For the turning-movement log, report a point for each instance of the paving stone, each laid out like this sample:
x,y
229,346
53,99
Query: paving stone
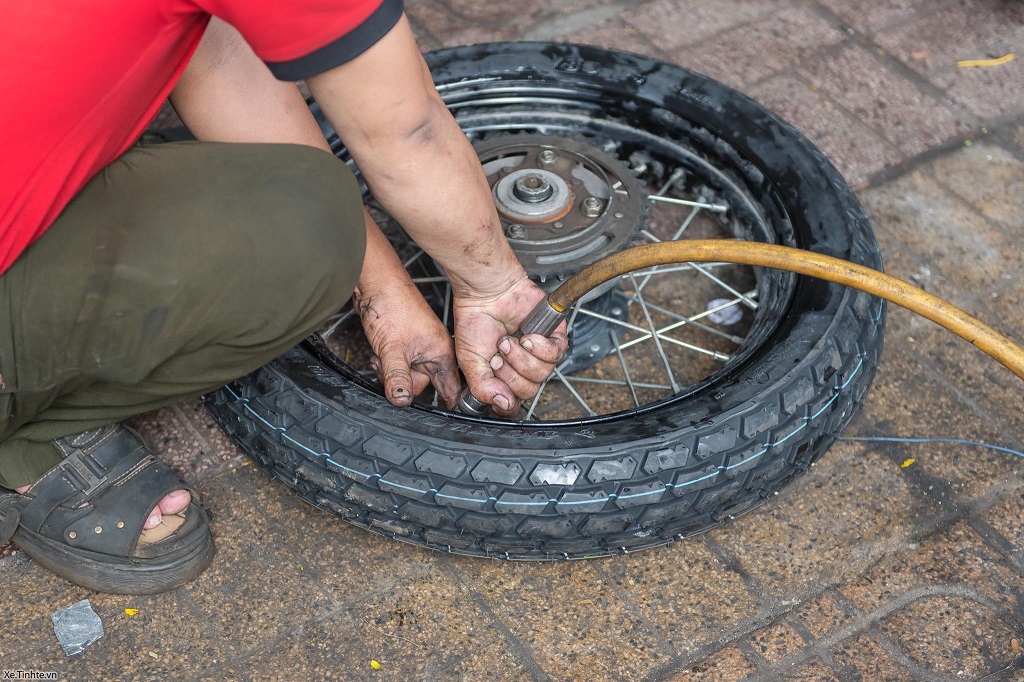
x,y
749,53
854,148
989,178
952,636
966,29
162,639
448,28
955,562
728,664
863,659
821,616
1008,518
615,34
673,24
572,622
947,247
851,509
813,671
256,589
171,441
672,587
883,100
777,642
869,16
422,628
30,595
345,561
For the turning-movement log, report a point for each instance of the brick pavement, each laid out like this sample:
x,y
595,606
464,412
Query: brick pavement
x,y
861,570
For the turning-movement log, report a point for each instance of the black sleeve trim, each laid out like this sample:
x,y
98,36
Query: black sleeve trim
x,y
344,49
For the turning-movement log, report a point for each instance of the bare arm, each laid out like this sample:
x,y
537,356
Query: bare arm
x,y
228,95
422,168
424,171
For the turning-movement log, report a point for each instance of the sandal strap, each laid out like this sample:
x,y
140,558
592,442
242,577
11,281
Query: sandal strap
x,y
99,497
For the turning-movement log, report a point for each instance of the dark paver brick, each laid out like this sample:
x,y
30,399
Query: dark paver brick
x,y
749,53
855,149
559,611
879,97
671,590
849,510
673,24
777,642
869,16
728,664
963,30
863,659
951,636
820,616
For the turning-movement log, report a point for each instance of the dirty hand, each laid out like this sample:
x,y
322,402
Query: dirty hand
x,y
500,369
412,348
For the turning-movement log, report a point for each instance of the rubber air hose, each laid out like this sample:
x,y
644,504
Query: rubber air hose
x,y
549,313
801,262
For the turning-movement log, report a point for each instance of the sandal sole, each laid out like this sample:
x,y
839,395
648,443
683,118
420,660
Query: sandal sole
x,y
117,576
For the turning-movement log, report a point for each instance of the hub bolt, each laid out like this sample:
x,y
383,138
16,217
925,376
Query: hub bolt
x,y
548,157
516,231
592,207
533,188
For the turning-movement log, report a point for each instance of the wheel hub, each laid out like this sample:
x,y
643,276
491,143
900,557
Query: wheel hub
x,y
564,205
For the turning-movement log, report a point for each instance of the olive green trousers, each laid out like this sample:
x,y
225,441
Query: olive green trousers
x,y
178,268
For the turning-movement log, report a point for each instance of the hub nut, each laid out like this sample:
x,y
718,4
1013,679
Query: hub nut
x,y
592,207
533,188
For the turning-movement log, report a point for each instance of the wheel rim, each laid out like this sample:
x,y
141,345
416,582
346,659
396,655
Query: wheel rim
x,y
696,186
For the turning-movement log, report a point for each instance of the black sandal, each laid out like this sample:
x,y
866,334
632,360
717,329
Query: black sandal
x,y
84,518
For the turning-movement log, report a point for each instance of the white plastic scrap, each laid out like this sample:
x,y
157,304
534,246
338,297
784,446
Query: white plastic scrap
x,y
77,627
725,316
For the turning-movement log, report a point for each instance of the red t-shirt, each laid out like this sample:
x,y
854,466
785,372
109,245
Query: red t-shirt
x,y
79,81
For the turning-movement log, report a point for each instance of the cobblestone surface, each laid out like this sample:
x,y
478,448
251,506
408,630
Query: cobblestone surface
x,y
865,569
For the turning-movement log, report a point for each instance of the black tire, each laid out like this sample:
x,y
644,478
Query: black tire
x,y
619,482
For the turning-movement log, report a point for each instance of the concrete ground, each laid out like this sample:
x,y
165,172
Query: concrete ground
x,y
863,570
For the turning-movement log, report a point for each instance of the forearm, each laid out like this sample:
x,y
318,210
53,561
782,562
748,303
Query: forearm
x,y
418,161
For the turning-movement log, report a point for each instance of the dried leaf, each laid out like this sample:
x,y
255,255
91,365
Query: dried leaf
x,y
907,462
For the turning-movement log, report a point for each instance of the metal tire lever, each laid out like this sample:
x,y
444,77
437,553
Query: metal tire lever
x,y
543,320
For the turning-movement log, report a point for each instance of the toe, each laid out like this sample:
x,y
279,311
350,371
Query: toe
x,y
174,502
155,517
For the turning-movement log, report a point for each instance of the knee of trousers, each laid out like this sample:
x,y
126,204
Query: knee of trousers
x,y
304,243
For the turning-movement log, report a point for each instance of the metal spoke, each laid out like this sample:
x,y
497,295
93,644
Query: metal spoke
x,y
429,280
693,321
334,327
675,237
615,382
412,259
750,303
647,335
657,339
673,179
536,398
575,393
714,208
625,371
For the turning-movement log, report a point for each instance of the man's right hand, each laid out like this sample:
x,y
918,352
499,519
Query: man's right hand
x,y
500,369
